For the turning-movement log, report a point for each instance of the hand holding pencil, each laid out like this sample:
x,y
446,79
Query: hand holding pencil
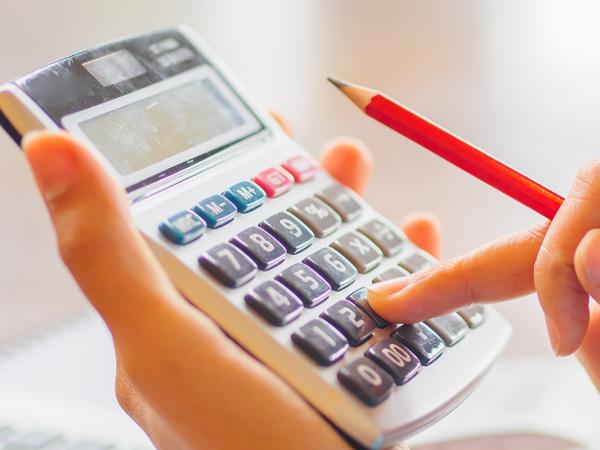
x,y
559,259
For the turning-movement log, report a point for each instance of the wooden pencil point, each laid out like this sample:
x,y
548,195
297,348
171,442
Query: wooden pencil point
x,y
337,82
359,95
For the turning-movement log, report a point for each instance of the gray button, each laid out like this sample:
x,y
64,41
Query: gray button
x,y
416,262
321,342
319,217
336,269
289,231
473,315
389,239
360,299
351,321
424,343
343,200
359,250
366,380
390,274
450,327
274,302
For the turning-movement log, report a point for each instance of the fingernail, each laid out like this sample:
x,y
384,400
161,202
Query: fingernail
x,y
387,288
554,336
52,166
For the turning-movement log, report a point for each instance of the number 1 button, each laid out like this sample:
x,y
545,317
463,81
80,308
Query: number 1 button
x,y
321,342
229,265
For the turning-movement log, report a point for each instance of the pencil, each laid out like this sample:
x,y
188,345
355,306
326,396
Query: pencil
x,y
452,148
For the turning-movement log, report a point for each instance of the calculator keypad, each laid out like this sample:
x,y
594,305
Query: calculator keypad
x,y
361,252
263,248
306,284
289,231
319,217
450,327
389,240
351,321
336,269
343,201
427,345
396,359
216,210
275,303
229,265
321,342
366,380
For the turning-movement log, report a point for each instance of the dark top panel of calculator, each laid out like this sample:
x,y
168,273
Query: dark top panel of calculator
x,y
66,86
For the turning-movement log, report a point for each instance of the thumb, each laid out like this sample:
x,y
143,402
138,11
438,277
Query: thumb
x,y
102,249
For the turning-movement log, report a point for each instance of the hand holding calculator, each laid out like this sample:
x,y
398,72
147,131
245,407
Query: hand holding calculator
x,y
254,234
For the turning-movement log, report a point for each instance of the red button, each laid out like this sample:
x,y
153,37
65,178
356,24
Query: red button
x,y
274,181
301,168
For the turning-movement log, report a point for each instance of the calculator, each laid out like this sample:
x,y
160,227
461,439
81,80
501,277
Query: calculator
x,y
255,234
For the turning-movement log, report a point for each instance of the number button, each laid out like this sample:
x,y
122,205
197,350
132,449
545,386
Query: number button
x,y
290,231
343,201
416,262
359,298
246,196
216,210
390,274
421,340
274,181
319,217
275,303
359,250
354,324
366,380
183,227
229,265
389,239
321,342
394,357
450,327
306,284
301,168
473,315
336,269
261,246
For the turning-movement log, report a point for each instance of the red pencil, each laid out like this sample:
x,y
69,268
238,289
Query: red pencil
x,y
452,148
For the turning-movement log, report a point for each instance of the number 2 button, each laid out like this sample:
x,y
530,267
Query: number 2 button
x,y
229,265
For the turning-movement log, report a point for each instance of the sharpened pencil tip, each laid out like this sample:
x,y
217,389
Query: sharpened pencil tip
x,y
337,82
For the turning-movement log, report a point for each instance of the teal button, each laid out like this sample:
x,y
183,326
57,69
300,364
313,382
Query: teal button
x,y
216,210
246,196
183,227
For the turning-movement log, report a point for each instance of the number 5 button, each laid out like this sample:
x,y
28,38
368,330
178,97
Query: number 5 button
x,y
229,265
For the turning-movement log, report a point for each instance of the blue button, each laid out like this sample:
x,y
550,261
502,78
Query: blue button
x,y
246,196
216,210
183,227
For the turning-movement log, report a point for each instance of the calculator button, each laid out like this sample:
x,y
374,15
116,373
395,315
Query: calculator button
x,y
274,181
395,358
229,264
427,345
389,239
416,262
359,250
390,274
289,231
246,196
473,315
301,168
360,299
319,217
351,321
216,210
450,327
336,269
274,302
306,284
343,201
183,227
321,342
366,380
263,248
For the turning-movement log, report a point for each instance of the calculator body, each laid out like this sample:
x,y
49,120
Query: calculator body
x,y
256,235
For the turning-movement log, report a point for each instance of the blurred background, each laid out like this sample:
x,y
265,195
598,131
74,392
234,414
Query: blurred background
x,y
519,79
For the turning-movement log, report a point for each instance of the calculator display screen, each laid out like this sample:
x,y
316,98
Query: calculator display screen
x,y
144,133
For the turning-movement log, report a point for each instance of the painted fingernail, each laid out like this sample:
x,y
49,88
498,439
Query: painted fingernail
x,y
554,336
53,167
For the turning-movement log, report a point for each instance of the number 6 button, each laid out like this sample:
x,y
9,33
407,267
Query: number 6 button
x,y
366,380
336,269
231,267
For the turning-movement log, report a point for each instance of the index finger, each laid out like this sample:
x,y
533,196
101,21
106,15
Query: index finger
x,y
497,271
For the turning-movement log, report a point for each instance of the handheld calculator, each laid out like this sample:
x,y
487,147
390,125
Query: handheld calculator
x,y
256,235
